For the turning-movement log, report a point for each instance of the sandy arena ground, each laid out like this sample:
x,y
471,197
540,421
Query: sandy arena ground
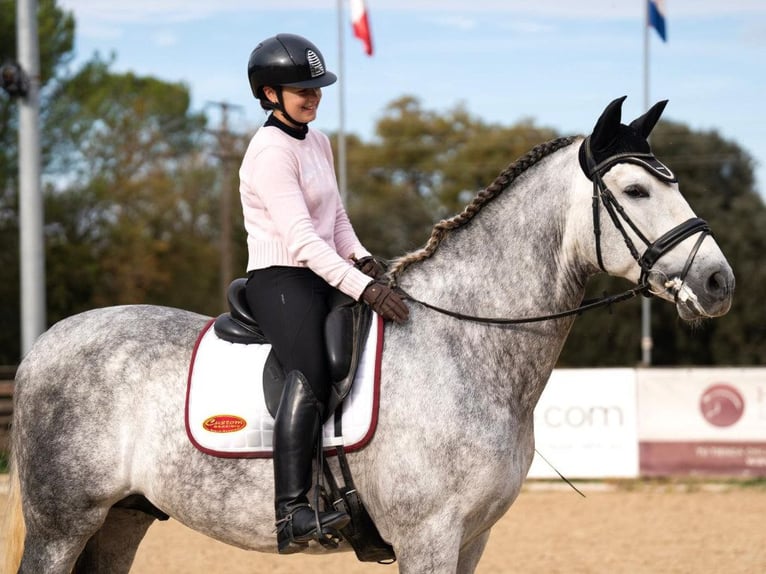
x,y
630,529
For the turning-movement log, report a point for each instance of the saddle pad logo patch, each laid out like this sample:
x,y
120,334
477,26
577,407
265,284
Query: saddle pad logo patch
x,y
224,423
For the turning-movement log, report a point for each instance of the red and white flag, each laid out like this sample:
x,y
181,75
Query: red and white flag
x,y
361,24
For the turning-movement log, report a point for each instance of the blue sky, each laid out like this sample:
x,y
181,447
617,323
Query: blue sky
x,y
558,62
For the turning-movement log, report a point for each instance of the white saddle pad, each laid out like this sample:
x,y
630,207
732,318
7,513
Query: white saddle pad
x,y
226,412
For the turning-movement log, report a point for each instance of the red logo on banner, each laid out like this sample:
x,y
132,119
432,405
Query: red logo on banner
x,y
722,405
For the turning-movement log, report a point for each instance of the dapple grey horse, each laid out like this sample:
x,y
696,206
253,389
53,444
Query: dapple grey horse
x,y
100,398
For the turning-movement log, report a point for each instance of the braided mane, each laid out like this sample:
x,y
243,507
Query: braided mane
x,y
482,198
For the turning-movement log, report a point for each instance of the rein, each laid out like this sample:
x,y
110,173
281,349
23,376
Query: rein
x,y
589,304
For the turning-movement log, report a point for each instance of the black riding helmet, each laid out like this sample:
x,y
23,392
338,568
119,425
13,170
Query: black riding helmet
x,y
286,60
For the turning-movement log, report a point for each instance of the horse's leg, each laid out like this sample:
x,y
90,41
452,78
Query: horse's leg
x,y
113,548
56,538
438,551
471,553
62,497
429,547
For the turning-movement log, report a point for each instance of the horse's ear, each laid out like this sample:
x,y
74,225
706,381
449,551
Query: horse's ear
x,y
607,126
645,124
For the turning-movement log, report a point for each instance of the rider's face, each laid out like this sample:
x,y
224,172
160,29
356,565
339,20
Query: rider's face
x,y
301,104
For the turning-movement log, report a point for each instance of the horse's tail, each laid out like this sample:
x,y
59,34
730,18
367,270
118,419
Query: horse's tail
x,y
13,529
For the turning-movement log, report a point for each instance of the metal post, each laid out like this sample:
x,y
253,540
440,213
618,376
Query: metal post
x,y
32,246
646,303
225,154
225,247
342,185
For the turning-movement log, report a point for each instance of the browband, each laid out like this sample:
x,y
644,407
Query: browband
x,y
645,160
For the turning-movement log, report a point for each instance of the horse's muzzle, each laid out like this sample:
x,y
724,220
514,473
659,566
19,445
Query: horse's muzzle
x,y
699,295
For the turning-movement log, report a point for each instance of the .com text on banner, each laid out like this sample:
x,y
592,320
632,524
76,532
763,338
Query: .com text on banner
x,y
585,425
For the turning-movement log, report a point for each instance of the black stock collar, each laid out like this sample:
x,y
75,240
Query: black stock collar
x,y
297,133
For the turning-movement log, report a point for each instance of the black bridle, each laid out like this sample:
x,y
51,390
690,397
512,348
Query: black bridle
x,y
654,249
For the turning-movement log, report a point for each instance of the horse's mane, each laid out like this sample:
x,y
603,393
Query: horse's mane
x,y
483,197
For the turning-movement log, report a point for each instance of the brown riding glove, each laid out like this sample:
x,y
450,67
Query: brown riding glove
x,y
385,302
370,267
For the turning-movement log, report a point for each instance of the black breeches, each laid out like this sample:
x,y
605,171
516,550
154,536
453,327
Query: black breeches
x,y
290,305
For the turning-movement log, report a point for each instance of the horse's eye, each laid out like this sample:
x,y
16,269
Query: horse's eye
x,y
636,191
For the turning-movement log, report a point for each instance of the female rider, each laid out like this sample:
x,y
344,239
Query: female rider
x,y
301,248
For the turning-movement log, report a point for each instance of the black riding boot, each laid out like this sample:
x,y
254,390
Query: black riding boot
x,y
296,427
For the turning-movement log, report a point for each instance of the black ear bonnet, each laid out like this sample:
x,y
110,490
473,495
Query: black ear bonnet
x,y
613,142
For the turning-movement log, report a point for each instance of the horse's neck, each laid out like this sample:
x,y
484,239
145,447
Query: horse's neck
x,y
509,261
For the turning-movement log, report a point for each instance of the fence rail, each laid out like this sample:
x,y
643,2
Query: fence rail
x,y
7,374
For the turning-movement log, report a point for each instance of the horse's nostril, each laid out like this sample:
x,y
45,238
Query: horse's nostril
x,y
717,284
714,283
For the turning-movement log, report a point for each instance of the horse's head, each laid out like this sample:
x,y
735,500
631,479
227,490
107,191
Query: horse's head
x,y
644,229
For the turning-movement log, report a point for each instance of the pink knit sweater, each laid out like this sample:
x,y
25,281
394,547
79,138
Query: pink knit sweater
x,y
293,212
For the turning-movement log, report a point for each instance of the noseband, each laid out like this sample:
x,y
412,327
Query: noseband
x,y
654,249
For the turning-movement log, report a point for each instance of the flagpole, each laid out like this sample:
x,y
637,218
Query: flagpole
x,y
342,108
31,204
646,310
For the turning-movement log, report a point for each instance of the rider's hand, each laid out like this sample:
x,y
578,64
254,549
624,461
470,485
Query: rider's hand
x,y
385,301
370,267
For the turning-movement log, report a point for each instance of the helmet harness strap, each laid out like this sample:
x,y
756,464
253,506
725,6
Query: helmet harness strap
x,y
280,106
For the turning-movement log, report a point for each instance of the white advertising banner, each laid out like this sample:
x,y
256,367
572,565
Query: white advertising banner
x,y
704,421
585,425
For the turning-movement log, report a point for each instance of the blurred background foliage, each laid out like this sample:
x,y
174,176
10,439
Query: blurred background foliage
x,y
134,183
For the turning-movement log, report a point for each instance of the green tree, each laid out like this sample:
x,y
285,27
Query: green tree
x,y
424,166
484,153
388,217
130,141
